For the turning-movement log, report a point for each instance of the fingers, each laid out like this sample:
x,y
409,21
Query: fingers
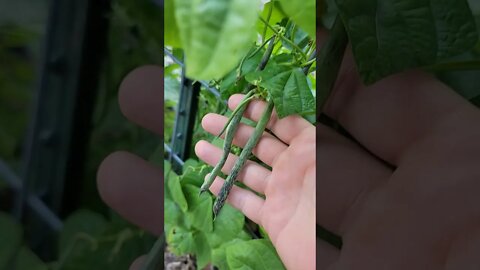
x,y
346,175
388,117
267,149
285,129
141,97
252,174
245,201
133,188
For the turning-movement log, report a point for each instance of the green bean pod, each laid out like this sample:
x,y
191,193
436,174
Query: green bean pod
x,y
231,128
247,150
240,109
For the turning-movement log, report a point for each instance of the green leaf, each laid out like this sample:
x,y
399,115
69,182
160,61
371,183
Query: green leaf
x,y
202,251
276,17
288,88
231,84
176,192
297,35
171,89
80,223
193,173
390,36
303,13
181,241
263,233
254,254
27,260
190,163
227,227
215,34
219,255
171,29
10,239
199,213
172,214
330,12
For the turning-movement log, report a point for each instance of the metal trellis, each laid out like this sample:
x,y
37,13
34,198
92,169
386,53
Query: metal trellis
x,y
179,148
63,104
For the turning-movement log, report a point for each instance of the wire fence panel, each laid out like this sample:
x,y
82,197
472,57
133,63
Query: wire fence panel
x,y
180,145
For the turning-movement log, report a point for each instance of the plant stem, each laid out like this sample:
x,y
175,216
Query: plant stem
x,y
284,38
251,143
308,65
268,21
330,60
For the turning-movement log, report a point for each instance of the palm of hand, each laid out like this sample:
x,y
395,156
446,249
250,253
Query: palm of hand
x,y
407,198
289,211
425,216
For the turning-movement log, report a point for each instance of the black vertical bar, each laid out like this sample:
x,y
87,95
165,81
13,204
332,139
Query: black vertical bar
x,y
57,139
185,121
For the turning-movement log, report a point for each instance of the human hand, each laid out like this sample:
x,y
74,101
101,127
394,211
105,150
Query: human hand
x,y
130,185
288,212
405,193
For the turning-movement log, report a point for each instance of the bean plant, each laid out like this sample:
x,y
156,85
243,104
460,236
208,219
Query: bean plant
x,y
269,51
265,51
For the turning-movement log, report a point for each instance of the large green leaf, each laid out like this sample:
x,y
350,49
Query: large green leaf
x,y
254,254
302,12
172,214
231,84
219,254
10,239
170,25
215,34
199,213
203,252
181,241
227,227
288,88
194,174
390,36
176,192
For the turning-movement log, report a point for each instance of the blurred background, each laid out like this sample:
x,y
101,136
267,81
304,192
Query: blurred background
x,y
61,63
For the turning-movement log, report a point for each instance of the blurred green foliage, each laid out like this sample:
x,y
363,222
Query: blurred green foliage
x,y
94,237
16,83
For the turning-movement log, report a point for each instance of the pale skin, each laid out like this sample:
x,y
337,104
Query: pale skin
x,y
404,195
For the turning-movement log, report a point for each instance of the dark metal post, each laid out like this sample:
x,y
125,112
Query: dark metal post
x,y
185,120
64,100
